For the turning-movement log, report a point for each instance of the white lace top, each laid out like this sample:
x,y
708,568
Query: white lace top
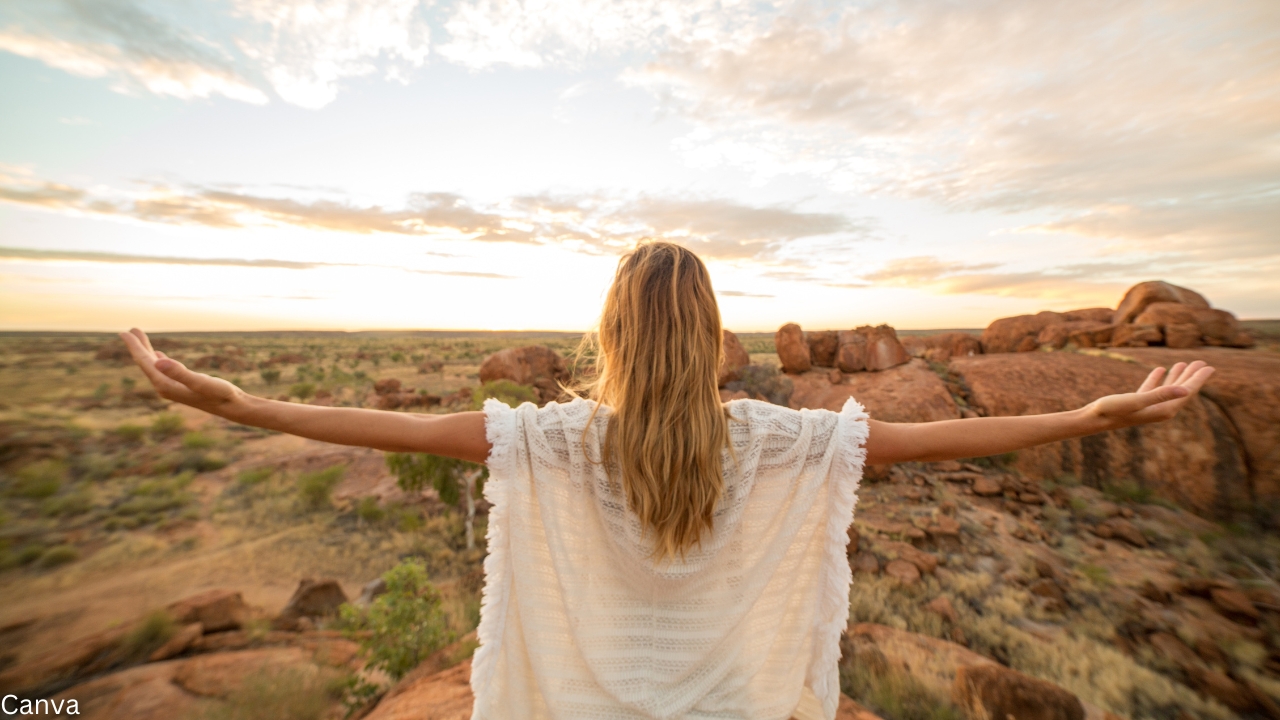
x,y
578,622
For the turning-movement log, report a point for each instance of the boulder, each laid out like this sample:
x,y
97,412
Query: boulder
x,y
932,661
1120,529
906,393
1081,333
1133,335
313,599
735,358
216,610
902,571
1018,333
535,365
144,692
386,386
181,640
792,349
220,674
925,562
942,607
1182,335
987,487
942,347
1138,297
64,661
1216,327
995,691
1195,459
851,351
883,349
1245,393
822,347
1098,315
1234,603
371,590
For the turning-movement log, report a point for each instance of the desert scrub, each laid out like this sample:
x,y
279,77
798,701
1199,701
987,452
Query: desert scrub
x,y
70,504
511,393
40,479
368,510
129,433
274,693
254,476
149,634
894,693
56,556
166,425
316,488
302,390
150,501
270,376
400,628
197,441
884,601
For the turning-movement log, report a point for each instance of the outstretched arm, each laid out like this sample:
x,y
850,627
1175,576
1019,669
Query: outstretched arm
x,y
979,437
460,435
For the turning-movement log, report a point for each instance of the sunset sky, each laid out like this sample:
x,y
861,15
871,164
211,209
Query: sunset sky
x,y
335,164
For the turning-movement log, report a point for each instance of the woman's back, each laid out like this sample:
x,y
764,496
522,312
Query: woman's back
x,y
580,620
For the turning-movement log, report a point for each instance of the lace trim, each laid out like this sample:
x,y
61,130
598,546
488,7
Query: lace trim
x,y
500,432
833,611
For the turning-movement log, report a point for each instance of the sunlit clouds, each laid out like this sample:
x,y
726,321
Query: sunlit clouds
x,y
927,164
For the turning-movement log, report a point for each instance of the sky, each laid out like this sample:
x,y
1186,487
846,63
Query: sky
x,y
483,164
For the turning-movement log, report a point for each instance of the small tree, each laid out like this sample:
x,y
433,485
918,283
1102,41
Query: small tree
x,y
453,479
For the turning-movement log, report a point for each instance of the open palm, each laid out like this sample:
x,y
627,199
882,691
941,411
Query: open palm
x,y
1154,400
173,381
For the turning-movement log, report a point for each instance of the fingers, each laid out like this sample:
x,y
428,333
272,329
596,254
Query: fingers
x,y
142,338
1196,380
1153,380
199,383
1174,373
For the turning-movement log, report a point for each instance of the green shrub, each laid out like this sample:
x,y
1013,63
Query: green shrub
x,y
1128,491
29,554
255,476
197,441
153,631
408,520
415,471
509,392
369,511
101,392
166,425
402,627
76,503
130,433
314,488
40,479
57,555
302,390
270,376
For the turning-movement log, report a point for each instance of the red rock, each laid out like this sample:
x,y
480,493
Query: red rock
x,y
727,396
1122,529
1083,333
1098,315
1017,334
1234,602
822,347
181,640
1195,459
942,347
995,691
1173,649
883,349
386,386
1246,388
942,606
1138,297
287,359
1136,335
216,610
851,352
1182,335
849,709
145,692
1047,588
852,548
220,674
907,393
792,350
735,358
925,562
312,599
61,662
534,365
902,571
934,662
986,487
224,363
946,526
445,695
1217,327
1218,686
865,562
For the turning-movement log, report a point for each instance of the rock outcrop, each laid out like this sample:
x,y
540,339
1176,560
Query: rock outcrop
x,y
994,691
1194,459
313,600
535,365
735,358
943,346
1137,298
906,393
792,349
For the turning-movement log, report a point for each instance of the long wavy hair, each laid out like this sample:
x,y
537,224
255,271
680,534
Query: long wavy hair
x,y
658,352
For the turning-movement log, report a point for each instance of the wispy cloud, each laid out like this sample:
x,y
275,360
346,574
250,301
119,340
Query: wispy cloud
x,y
123,258
1073,281
717,228
740,293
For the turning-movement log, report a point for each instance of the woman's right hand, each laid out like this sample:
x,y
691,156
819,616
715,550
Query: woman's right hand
x,y
173,381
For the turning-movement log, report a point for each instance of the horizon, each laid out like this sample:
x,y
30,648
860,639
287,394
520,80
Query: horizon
x,y
249,165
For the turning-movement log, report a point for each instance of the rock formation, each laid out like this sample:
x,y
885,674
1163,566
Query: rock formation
x,y
535,365
792,349
943,346
865,348
734,360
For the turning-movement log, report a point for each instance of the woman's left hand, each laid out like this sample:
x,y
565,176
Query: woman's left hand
x,y
1154,401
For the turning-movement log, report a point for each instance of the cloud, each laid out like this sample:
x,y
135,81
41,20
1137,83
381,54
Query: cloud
x,y
118,39
739,293
1100,280
121,258
1148,123
716,228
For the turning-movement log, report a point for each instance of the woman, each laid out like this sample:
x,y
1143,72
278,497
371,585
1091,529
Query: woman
x,y
652,551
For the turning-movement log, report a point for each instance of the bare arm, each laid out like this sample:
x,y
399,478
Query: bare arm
x,y
978,437
461,435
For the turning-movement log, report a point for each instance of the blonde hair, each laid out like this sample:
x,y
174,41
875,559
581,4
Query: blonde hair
x,y
658,353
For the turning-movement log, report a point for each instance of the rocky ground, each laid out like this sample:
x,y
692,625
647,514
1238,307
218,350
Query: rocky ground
x,y
152,558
